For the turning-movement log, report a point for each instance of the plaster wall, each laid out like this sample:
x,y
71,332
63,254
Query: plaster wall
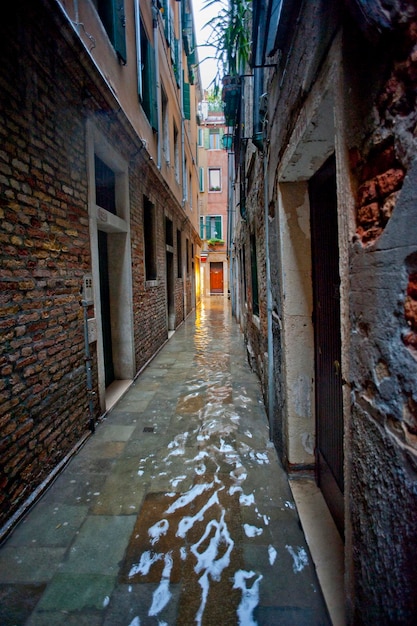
x,y
298,341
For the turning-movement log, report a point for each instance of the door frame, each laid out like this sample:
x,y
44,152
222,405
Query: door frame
x,y
327,339
318,132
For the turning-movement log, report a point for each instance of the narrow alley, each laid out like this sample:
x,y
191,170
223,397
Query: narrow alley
x,y
175,511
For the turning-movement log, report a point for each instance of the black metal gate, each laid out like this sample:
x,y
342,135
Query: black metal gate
x,y
328,378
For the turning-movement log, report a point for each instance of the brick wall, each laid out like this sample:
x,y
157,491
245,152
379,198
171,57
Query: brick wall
x,y
44,253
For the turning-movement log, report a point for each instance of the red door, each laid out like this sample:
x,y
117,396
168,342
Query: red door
x,y
216,277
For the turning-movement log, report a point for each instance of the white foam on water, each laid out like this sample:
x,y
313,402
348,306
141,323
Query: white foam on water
x,y
176,481
162,595
252,531
209,562
246,500
188,497
147,559
250,596
156,531
188,522
272,553
300,558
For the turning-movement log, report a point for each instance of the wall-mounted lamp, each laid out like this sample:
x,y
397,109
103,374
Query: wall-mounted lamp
x,y
227,141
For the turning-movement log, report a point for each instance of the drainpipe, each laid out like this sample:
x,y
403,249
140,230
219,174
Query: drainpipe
x,y
158,83
271,380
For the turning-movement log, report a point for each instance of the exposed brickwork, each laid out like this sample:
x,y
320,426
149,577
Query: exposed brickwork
x,y
382,166
44,253
381,177
410,313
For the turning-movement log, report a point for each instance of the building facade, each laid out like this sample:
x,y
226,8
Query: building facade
x,y
325,265
99,217
214,187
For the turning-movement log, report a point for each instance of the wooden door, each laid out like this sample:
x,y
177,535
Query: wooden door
x,y
216,277
326,315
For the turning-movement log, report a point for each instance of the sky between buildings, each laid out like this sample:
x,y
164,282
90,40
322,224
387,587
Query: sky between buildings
x,y
202,14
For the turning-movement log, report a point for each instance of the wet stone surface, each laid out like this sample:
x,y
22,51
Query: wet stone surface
x,y
176,511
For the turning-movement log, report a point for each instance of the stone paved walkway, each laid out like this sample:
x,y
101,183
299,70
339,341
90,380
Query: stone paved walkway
x,y
176,511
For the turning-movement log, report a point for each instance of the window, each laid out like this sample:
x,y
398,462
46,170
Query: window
x,y
179,254
214,175
169,232
187,255
112,15
147,79
190,187
200,137
105,182
176,155
185,180
201,178
149,235
254,272
165,126
211,227
214,139
186,101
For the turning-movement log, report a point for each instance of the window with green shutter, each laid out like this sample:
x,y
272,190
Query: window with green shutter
x,y
186,101
112,14
201,178
147,84
213,227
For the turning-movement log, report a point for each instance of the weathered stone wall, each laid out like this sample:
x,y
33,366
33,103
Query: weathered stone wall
x,y
382,115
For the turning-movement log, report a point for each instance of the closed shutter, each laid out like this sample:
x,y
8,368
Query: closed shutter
x,y
153,79
218,226
202,228
186,101
206,139
201,178
112,14
119,23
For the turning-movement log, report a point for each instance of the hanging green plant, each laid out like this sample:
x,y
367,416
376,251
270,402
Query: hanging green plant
x,y
230,35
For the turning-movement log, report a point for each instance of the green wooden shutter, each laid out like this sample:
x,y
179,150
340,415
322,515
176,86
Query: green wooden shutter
x,y
176,61
149,99
202,227
206,139
186,101
201,178
218,226
153,79
119,23
112,14
208,227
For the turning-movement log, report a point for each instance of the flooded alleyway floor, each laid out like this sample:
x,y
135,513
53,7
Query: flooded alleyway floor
x,y
175,511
